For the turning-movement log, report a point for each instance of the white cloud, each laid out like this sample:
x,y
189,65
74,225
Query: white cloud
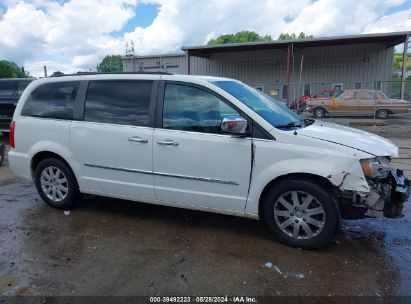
x,y
330,17
76,36
187,22
400,21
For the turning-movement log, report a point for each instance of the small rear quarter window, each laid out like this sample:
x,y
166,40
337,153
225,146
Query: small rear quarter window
x,y
22,86
52,100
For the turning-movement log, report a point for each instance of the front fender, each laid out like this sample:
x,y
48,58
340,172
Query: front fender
x,y
344,173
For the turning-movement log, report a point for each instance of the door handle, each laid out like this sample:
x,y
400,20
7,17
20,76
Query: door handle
x,y
138,139
167,142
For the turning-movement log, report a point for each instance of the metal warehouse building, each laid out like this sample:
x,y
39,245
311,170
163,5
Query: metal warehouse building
x,y
288,69
171,63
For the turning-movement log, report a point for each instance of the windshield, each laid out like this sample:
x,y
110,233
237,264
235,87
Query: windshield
x,y
273,111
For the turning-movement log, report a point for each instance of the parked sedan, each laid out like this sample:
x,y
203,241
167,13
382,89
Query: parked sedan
x,y
358,102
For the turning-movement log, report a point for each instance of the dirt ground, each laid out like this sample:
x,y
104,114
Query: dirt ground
x,y
114,247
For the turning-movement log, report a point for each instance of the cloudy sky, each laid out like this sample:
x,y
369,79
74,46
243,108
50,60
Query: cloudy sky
x,y
73,35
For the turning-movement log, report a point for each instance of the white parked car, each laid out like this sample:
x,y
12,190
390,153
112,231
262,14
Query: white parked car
x,y
205,143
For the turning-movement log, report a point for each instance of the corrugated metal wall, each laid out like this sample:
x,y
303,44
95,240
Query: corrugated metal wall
x,y
364,62
175,64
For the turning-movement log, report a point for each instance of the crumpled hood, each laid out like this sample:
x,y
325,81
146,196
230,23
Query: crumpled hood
x,y
350,137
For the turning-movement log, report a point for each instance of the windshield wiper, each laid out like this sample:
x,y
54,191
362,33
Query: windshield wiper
x,y
290,125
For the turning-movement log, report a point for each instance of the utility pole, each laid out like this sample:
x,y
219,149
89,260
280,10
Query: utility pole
x,y
132,48
404,65
45,71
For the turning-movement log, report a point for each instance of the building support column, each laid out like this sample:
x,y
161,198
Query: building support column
x,y
288,72
404,65
188,62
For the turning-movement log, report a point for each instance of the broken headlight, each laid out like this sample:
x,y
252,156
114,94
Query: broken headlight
x,y
378,167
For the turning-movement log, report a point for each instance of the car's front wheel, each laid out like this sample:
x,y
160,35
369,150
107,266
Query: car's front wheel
x,y
56,183
301,213
319,112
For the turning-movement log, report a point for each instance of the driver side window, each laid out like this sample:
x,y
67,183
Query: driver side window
x,y
189,108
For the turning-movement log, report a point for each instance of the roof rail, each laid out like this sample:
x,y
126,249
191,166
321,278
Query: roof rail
x,y
18,78
113,73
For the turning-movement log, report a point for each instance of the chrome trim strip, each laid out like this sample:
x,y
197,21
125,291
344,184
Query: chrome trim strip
x,y
197,178
201,133
203,179
119,169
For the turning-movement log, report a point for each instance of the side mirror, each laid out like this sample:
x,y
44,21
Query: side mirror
x,y
234,125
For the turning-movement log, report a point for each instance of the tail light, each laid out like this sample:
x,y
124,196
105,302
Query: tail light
x,y
11,134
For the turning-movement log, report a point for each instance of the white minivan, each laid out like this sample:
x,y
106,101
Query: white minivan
x,y
205,143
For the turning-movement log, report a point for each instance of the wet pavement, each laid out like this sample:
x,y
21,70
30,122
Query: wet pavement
x,y
115,247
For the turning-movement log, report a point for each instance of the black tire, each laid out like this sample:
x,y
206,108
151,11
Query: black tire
x,y
302,108
2,150
319,112
329,218
72,194
382,114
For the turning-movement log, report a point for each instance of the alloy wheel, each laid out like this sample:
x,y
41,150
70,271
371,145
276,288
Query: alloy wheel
x,y
299,215
54,183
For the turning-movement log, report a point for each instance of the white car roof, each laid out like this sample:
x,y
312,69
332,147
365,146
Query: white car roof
x,y
131,76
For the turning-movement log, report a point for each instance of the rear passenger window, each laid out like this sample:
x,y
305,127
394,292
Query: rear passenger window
x,y
7,88
52,100
365,95
118,102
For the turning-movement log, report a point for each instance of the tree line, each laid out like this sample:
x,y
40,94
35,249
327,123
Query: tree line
x,y
9,69
249,36
398,62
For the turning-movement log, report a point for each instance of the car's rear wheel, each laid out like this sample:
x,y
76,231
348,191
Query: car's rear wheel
x,y
319,113
382,114
301,213
56,183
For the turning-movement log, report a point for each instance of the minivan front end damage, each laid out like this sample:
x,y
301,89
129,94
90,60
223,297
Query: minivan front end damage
x,y
380,192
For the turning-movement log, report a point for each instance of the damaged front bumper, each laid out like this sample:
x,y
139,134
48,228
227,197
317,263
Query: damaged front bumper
x,y
386,197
